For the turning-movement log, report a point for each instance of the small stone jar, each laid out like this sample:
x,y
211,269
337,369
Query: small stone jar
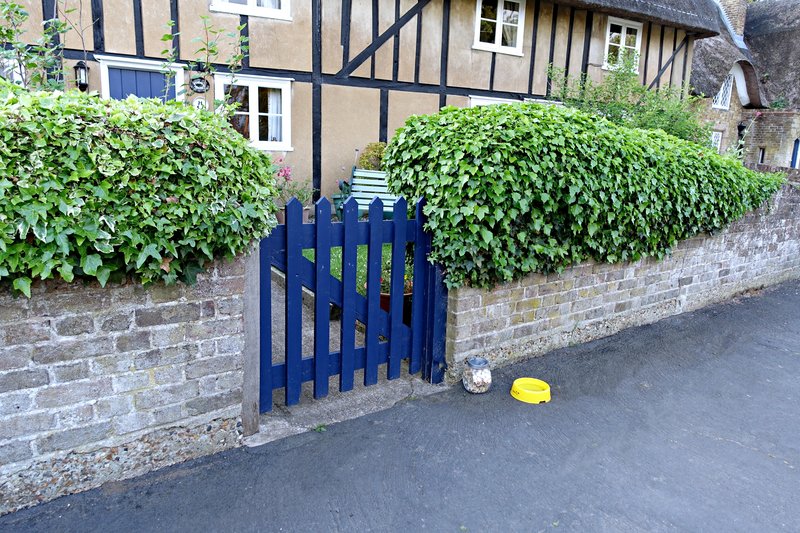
x,y
477,377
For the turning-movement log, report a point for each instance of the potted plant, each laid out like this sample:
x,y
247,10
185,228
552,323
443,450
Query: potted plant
x,y
372,156
408,287
289,188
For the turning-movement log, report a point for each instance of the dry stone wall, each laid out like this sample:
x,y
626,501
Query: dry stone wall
x,y
100,384
540,313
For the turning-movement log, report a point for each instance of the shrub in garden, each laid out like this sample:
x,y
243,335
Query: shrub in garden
x,y
105,189
514,189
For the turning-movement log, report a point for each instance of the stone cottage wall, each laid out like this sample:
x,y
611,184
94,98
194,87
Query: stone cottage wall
x,y
540,313
775,131
100,384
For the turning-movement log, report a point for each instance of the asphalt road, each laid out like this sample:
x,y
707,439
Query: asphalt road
x,y
690,424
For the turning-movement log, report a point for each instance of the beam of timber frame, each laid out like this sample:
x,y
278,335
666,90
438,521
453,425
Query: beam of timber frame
x,y
669,62
393,30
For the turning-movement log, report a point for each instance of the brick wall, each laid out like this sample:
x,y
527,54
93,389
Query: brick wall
x,y
736,11
540,313
775,131
99,383
725,121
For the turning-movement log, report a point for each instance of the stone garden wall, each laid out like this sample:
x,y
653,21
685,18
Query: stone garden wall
x,y
100,384
540,313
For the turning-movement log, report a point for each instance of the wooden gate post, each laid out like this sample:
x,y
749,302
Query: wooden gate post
x,y
252,342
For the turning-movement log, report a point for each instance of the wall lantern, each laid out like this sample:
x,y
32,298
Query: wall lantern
x,y
81,76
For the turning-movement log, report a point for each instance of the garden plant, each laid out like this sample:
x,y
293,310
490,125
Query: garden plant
x,y
515,189
105,189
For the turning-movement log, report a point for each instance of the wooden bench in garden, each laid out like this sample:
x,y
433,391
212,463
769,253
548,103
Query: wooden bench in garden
x,y
366,185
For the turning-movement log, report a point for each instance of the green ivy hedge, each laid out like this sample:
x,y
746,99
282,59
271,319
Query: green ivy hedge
x,y
513,189
106,189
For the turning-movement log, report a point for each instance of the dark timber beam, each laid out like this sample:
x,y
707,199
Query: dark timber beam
x,y
174,15
445,53
668,63
534,35
97,26
138,26
393,30
316,97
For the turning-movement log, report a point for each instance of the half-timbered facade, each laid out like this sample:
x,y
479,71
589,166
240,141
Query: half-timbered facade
x,y
325,77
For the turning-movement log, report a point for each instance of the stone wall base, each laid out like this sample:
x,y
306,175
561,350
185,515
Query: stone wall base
x,y
538,313
77,471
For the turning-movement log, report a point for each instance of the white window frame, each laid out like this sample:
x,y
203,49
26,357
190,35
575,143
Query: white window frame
x,y
497,47
254,82
722,100
253,10
625,23
716,140
477,101
139,64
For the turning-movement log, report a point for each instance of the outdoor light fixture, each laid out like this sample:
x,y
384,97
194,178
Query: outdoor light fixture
x,y
81,76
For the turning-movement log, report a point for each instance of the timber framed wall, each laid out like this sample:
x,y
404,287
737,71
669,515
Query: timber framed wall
x,y
359,68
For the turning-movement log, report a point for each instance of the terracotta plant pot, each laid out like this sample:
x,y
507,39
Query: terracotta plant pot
x,y
281,215
385,300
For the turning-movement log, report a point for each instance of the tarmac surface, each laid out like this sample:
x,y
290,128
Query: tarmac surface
x,y
689,424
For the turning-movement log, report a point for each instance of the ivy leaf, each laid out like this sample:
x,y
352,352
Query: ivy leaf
x,y
103,274
90,264
65,271
23,285
151,250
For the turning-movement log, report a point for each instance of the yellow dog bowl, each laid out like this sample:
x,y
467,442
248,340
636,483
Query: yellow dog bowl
x,y
530,390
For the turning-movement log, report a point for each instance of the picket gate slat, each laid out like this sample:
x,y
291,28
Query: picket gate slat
x,y
322,330
294,303
396,290
348,323
265,326
374,267
388,339
418,293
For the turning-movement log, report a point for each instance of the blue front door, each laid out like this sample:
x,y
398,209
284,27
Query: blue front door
x,y
123,82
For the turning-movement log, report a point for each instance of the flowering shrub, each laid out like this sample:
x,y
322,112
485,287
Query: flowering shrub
x,y
288,187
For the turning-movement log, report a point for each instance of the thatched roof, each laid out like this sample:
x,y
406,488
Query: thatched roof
x,y
714,58
772,32
696,16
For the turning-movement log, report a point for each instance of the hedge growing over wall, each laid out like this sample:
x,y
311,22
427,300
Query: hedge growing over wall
x,y
105,189
514,189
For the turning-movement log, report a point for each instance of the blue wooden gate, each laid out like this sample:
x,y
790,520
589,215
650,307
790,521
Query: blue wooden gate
x,y
388,340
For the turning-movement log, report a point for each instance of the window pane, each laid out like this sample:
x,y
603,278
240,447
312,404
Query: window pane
x,y
489,9
630,37
615,34
488,32
509,36
511,13
238,2
238,94
270,128
241,123
269,100
275,4
613,54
